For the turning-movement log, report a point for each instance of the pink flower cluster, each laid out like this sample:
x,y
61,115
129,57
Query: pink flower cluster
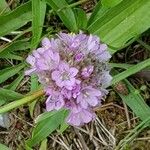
x,y
74,72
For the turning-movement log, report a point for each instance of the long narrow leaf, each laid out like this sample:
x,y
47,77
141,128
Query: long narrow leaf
x,y
38,14
135,101
81,18
34,87
3,147
15,19
112,3
11,56
4,8
27,99
9,72
15,46
8,96
132,70
43,145
98,12
45,127
66,15
15,83
121,23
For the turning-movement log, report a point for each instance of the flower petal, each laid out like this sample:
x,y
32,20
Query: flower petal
x,y
73,71
55,75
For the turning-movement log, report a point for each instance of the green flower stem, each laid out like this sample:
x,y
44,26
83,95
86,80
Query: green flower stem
x,y
132,70
120,65
15,104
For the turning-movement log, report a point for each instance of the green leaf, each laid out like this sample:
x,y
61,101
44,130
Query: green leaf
x,y
66,14
27,147
81,18
8,96
11,56
97,13
26,99
3,147
110,3
46,127
132,70
120,65
15,83
4,8
15,46
34,87
135,101
11,71
15,19
64,125
43,145
44,116
2,101
38,14
121,23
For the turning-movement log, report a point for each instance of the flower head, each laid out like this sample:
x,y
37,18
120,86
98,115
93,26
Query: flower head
x,y
74,72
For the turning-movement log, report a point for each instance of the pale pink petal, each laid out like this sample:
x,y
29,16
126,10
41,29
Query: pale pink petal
x,y
74,119
46,42
30,71
73,71
60,83
70,82
31,60
86,116
55,75
93,101
49,106
84,103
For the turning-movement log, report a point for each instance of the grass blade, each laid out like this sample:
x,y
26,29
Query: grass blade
x,y
43,145
81,18
46,127
8,96
4,8
11,56
15,83
3,147
15,46
15,19
66,14
34,87
38,14
132,70
121,23
135,101
112,3
11,71
20,102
